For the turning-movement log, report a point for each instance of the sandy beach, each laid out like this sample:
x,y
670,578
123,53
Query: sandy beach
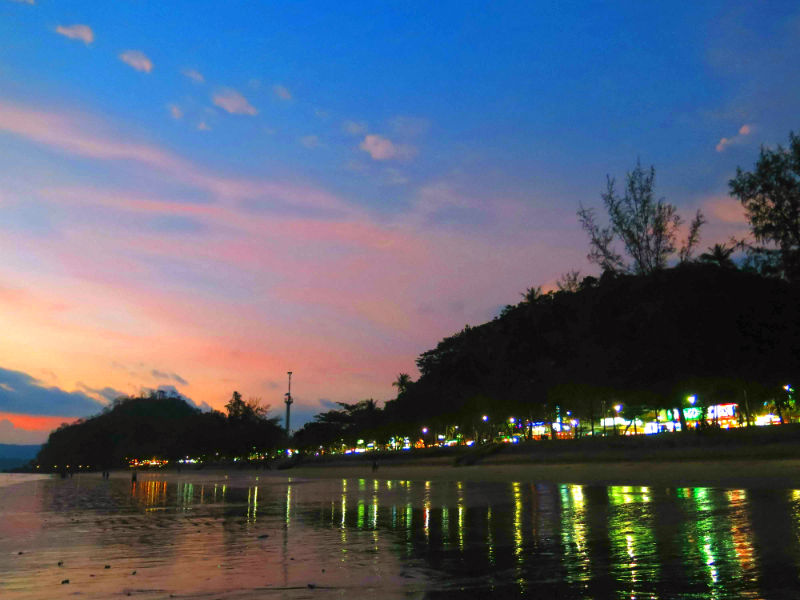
x,y
738,474
419,529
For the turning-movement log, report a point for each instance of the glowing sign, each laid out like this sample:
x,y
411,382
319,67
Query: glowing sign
x,y
718,411
722,410
691,413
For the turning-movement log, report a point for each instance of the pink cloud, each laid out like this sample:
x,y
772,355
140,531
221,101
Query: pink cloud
x,y
233,102
282,92
739,138
82,137
83,33
382,148
354,127
138,60
194,75
310,141
725,209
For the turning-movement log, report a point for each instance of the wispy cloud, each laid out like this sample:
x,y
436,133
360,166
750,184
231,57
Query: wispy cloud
x,y
137,60
194,75
80,137
395,177
106,394
175,111
233,102
310,141
739,138
382,148
322,266
725,209
24,1
281,92
83,33
203,126
406,126
170,376
354,127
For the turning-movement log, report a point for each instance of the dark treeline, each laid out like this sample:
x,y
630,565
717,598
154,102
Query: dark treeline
x,y
162,426
643,341
643,336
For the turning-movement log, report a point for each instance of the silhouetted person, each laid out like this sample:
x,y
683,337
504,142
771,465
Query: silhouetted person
x,y
374,465
133,476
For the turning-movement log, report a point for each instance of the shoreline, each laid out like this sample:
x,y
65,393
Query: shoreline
x,y
727,473
722,473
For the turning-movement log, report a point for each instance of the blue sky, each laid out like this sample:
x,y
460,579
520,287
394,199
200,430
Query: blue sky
x,y
227,191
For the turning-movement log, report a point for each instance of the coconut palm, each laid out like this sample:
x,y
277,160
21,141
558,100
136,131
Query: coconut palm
x,y
720,255
402,383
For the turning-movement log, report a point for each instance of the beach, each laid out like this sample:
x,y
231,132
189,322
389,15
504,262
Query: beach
x,y
411,530
723,473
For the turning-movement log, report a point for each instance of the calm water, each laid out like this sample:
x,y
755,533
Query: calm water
x,y
243,537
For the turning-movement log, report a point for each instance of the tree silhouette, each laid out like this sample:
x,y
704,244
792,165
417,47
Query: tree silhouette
x,y
771,198
646,227
236,407
720,255
569,281
402,383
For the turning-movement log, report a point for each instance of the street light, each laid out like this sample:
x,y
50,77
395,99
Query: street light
x,y
484,418
424,430
618,407
692,399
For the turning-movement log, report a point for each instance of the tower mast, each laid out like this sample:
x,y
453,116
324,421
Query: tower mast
x,y
288,402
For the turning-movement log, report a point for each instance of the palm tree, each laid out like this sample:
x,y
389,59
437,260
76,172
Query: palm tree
x,y
402,383
720,255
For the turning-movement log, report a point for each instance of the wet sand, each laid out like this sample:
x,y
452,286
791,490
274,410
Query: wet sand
x,y
189,535
725,473
408,530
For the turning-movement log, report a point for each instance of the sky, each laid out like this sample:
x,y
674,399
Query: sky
x,y
200,196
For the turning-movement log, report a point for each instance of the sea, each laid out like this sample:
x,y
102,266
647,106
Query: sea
x,y
269,535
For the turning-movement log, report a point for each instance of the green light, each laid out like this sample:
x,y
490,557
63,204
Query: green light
x,y
692,413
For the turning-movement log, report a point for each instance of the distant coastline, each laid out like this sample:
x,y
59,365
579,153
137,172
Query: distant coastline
x,y
744,458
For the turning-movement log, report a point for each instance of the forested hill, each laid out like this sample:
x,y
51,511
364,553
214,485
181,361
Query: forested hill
x,y
165,427
651,338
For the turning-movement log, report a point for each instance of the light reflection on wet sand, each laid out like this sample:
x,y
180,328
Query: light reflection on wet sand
x,y
253,535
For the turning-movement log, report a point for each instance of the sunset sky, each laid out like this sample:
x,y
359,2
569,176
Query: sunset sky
x,y
205,195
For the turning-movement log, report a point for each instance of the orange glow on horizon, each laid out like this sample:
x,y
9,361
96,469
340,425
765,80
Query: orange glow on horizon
x,y
35,422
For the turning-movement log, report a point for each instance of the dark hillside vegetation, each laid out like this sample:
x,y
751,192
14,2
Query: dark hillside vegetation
x,y
160,426
649,339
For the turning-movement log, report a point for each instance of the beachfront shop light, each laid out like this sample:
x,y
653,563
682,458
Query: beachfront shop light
x,y
691,399
692,413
